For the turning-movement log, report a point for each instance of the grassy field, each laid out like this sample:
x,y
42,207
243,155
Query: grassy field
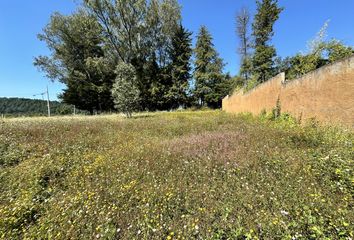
x,y
187,175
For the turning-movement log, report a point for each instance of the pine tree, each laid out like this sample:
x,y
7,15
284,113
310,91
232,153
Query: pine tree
x,y
208,69
180,54
263,60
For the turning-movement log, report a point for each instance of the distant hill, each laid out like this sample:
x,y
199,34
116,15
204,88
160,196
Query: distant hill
x,y
32,107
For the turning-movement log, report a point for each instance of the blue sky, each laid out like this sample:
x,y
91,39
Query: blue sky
x,y
21,21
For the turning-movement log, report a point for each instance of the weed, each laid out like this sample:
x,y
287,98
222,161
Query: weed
x,y
183,175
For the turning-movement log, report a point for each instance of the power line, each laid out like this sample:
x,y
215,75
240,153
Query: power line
x,y
42,94
48,102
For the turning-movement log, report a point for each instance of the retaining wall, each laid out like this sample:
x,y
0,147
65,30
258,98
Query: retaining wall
x,y
326,94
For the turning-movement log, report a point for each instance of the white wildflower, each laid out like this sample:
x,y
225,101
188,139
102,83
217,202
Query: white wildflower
x,y
284,213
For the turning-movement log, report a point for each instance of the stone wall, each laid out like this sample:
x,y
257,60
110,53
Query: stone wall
x,y
326,94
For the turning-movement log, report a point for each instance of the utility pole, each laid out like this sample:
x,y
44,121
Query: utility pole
x,y
48,104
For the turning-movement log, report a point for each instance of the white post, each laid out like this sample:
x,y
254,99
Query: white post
x,y
48,104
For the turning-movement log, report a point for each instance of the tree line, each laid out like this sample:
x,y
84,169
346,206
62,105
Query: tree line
x,y
135,55
33,107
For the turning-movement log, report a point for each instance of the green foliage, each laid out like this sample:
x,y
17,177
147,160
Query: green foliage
x,y
210,82
77,59
263,59
251,83
321,52
267,14
185,175
219,90
235,83
125,92
246,69
34,107
87,45
136,29
152,85
300,64
336,50
141,33
263,62
276,112
180,55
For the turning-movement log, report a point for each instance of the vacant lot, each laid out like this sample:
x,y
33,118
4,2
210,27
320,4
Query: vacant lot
x,y
189,175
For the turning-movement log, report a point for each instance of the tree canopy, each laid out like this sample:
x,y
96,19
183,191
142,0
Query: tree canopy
x,y
78,60
135,55
267,14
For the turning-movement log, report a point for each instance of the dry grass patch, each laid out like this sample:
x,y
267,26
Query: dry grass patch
x,y
225,147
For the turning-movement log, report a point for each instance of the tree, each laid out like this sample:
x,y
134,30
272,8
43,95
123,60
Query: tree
x,y
208,70
88,45
140,32
320,52
242,26
125,91
316,45
263,60
154,76
327,51
180,54
220,88
335,50
77,59
301,64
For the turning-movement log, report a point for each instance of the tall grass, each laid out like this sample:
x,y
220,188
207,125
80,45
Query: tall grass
x,y
186,175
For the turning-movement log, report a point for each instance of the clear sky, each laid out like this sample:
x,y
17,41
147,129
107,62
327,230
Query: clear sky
x,y
22,20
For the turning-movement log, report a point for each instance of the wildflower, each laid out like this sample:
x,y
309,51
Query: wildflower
x,y
284,213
